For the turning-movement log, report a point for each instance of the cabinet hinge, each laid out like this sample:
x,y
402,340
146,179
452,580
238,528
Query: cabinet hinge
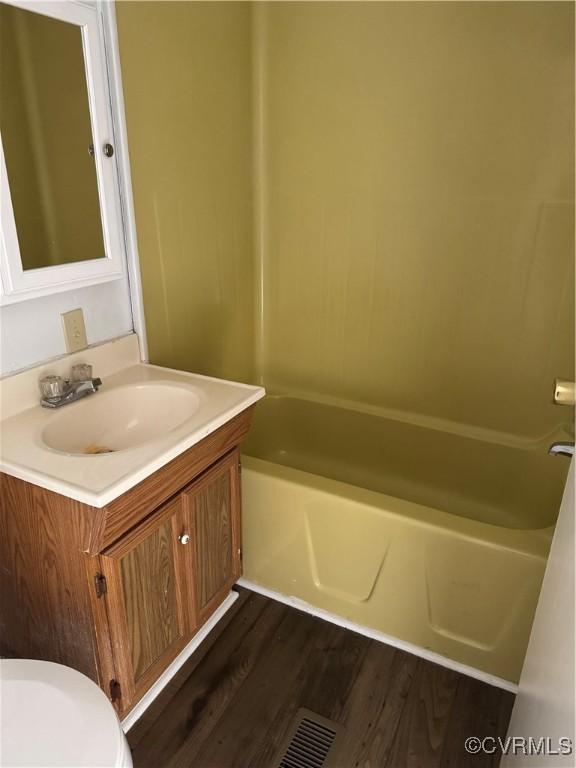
x,y
239,467
100,584
115,690
239,554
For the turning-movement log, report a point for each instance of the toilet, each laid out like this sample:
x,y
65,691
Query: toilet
x,y
51,715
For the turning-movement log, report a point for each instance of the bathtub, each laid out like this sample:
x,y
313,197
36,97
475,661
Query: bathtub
x,y
436,539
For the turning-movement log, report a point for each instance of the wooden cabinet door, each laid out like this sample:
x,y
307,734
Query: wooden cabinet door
x,y
150,597
213,502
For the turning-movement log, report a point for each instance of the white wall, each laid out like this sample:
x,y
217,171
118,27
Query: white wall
x,y
545,702
31,331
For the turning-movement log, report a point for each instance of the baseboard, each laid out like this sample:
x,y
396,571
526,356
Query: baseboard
x,y
182,657
424,653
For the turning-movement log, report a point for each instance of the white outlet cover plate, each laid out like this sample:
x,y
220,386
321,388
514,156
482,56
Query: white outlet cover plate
x,y
74,330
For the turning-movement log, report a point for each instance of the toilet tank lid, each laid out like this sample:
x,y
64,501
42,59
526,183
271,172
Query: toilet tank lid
x,y
52,715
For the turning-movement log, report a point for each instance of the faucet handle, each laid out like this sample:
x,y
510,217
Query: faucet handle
x,y
81,372
52,386
564,392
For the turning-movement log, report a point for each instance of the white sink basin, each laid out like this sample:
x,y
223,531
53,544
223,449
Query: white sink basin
x,y
122,418
142,418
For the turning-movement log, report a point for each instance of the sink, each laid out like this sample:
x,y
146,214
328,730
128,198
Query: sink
x,y
142,418
119,419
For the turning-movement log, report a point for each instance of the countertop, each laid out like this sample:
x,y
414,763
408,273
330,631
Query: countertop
x,y
99,479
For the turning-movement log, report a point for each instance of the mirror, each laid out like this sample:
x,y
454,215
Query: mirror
x,y
61,221
46,135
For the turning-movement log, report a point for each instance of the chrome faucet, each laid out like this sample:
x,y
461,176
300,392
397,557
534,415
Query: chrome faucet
x,y
561,449
57,391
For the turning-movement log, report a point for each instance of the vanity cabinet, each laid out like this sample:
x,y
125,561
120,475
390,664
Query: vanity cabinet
x,y
148,579
165,578
213,505
118,592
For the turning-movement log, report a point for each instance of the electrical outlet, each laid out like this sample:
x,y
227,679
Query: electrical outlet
x,y
74,330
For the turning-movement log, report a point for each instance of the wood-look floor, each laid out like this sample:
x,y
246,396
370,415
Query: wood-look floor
x,y
232,702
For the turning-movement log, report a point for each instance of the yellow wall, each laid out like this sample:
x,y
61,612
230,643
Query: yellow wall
x,y
419,163
414,197
186,69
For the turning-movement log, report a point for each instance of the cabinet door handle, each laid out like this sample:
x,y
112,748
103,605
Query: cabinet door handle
x,y
184,538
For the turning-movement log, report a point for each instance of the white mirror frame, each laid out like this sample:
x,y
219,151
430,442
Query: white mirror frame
x,y
17,284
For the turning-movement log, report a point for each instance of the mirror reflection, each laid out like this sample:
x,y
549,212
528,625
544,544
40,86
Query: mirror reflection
x,y
46,136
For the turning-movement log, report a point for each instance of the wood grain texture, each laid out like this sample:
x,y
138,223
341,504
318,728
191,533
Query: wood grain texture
x,y
231,704
213,543
144,723
103,656
51,548
150,615
426,715
133,506
45,610
478,709
148,581
101,527
213,504
376,705
189,716
320,672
